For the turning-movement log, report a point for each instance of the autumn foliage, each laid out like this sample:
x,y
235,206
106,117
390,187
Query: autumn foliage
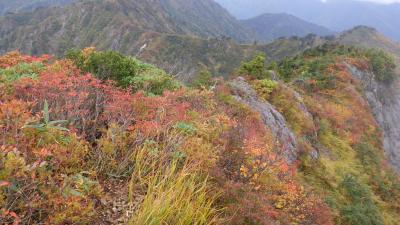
x,y
142,149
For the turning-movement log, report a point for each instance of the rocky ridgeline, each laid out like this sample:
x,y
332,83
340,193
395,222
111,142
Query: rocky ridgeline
x,y
274,120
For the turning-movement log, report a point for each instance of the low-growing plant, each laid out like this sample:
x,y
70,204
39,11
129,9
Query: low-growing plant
x,y
174,193
202,80
361,209
19,71
383,65
46,124
265,87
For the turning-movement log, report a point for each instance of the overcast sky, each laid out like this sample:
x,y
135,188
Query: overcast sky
x,y
383,1
378,1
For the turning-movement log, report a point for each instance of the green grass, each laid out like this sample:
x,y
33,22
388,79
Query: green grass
x,y
174,192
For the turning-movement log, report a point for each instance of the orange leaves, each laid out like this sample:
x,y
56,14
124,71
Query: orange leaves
x,y
153,114
9,216
343,106
4,183
301,206
13,115
10,59
13,58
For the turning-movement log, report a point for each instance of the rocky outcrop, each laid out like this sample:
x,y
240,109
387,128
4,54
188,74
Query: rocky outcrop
x,y
272,119
384,100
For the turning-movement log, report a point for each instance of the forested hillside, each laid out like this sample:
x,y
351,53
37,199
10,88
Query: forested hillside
x,y
7,6
269,27
114,24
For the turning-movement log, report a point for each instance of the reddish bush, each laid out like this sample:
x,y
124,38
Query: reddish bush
x,y
13,58
87,103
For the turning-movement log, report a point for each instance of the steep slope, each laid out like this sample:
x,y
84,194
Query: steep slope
x,y
111,24
271,26
384,100
336,15
205,19
22,5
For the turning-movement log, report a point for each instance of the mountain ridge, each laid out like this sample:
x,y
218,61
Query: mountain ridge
x,y
269,26
335,15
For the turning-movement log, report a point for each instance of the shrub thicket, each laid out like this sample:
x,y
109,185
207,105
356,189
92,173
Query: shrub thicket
x,y
126,71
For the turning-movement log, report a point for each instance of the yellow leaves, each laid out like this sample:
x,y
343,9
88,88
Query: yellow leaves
x,y
280,204
87,51
244,171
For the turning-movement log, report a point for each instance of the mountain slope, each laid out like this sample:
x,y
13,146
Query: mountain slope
x,y
336,15
156,32
21,5
271,26
109,23
368,37
186,56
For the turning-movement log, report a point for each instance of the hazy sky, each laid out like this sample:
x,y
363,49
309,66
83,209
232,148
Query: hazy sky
x,y
378,1
382,1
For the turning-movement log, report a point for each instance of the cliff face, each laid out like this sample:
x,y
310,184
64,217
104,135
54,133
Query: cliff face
x,y
384,100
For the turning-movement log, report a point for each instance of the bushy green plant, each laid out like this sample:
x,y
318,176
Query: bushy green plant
x,y
203,80
126,71
265,87
255,68
383,65
152,81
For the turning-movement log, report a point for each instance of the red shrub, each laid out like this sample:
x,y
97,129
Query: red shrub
x,y
87,103
13,58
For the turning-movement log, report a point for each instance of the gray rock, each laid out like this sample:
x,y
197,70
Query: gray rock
x,y
272,119
384,100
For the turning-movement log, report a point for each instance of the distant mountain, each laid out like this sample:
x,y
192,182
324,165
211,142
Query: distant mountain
x,y
26,5
272,26
336,15
368,37
85,22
